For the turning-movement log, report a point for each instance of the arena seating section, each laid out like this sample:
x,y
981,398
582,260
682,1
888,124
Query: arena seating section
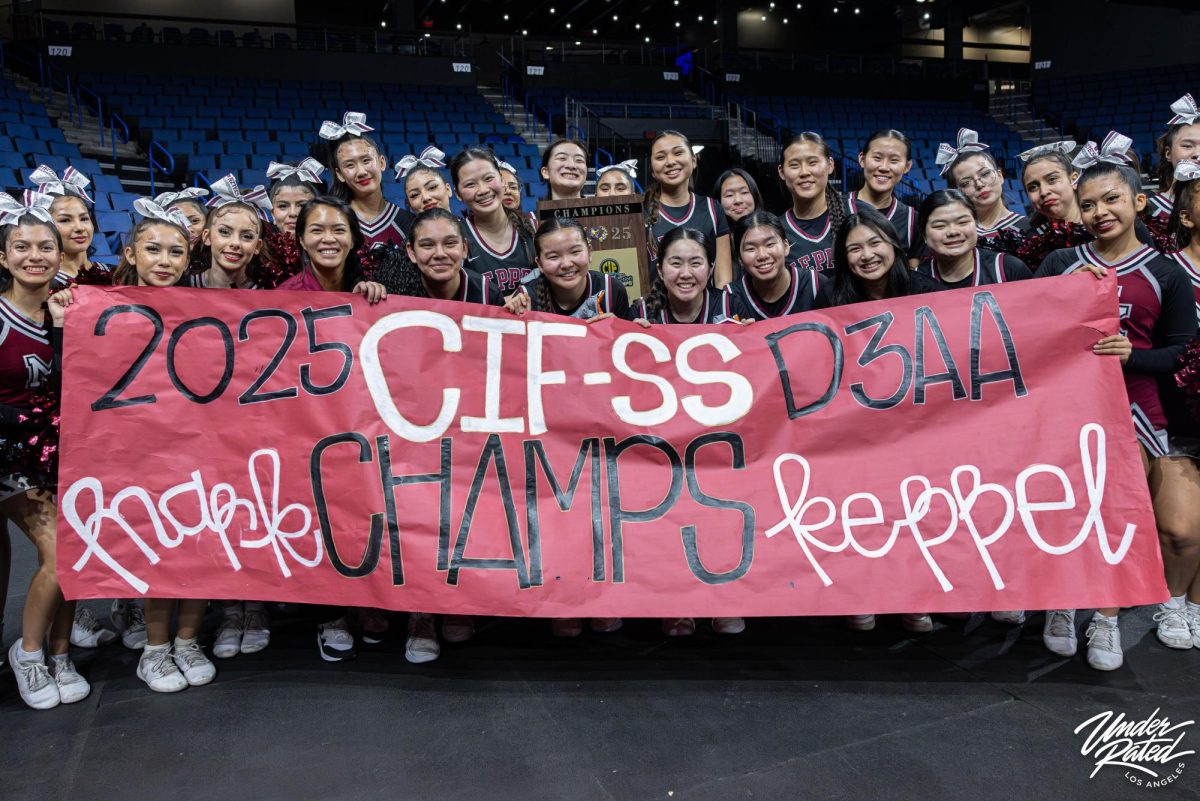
x,y
622,104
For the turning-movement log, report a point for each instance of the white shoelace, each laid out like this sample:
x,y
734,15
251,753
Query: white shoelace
x,y
86,619
1177,616
65,672
1104,637
160,663
1062,624
336,634
191,655
34,675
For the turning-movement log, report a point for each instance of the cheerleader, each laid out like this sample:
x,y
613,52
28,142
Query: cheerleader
x,y
75,221
564,169
358,167
885,159
290,188
233,247
1158,319
869,264
499,239
976,174
671,203
425,187
947,221
1181,142
1049,181
738,193
768,287
617,179
817,208
189,202
510,184
31,250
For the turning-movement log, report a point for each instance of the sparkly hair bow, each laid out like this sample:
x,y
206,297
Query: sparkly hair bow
x,y
226,191
629,166
150,208
504,165
430,157
35,203
165,199
1185,110
308,171
968,142
72,182
1065,146
353,122
1115,149
1187,170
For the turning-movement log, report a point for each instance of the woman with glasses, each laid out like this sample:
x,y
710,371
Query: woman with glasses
x,y
972,171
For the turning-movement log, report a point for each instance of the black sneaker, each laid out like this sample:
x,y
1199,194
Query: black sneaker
x,y
335,641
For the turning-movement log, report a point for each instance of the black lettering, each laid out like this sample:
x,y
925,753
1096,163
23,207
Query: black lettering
x,y
370,556
227,347
109,399
493,451
535,452
873,352
1013,373
389,483
310,327
704,499
922,317
251,395
618,515
835,345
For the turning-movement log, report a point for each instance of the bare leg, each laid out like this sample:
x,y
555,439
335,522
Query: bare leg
x,y
158,620
34,513
191,615
1175,487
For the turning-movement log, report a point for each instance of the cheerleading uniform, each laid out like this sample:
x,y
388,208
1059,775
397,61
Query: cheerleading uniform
x,y
702,214
1013,221
990,268
27,363
902,217
391,225
717,308
747,304
506,267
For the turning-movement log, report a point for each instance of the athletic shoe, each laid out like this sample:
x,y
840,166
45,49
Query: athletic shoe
x,y
1193,613
457,628
422,645
191,661
71,686
372,625
129,618
334,641
606,625
158,669
1058,634
256,630
1013,618
1173,629
566,627
37,687
678,626
86,631
729,625
918,624
228,641
1104,643
860,622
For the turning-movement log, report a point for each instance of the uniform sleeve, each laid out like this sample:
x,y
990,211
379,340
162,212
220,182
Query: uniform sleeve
x,y
737,306
618,302
494,296
1054,264
1176,325
916,248
824,299
1015,269
722,222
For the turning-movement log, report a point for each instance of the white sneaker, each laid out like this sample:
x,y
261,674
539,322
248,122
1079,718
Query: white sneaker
x,y
860,622
158,669
1012,618
34,682
1193,615
71,686
334,641
228,641
1058,634
729,625
129,618
917,623
197,668
422,645
86,631
1104,643
1173,628
256,630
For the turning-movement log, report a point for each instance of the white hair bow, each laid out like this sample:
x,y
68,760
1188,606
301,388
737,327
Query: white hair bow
x,y
165,199
152,209
430,157
226,191
1065,146
1187,170
1185,110
308,171
72,182
353,122
629,166
504,165
35,203
1115,149
968,142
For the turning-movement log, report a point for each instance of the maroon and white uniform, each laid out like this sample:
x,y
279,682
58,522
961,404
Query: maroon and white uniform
x,y
1160,204
390,226
1158,315
811,241
990,268
902,217
1193,273
1017,222
26,357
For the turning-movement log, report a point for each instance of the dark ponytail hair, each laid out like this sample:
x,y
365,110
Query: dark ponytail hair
x,y
656,299
541,298
848,287
91,212
353,272
890,133
325,151
835,207
938,199
751,184
1128,175
125,274
1186,193
757,219
296,182
549,151
516,217
652,198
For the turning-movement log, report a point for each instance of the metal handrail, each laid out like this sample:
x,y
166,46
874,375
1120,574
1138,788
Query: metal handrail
x,y
154,164
198,177
114,119
99,101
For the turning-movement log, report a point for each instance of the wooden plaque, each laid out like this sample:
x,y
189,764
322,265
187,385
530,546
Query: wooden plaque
x,y
616,230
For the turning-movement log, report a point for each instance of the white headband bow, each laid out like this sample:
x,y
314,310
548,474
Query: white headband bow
x,y
151,209
226,191
72,182
353,122
1187,170
165,199
504,165
1115,149
35,203
1065,146
1185,110
968,142
308,171
629,166
430,157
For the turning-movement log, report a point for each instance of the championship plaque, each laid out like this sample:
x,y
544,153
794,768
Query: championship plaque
x,y
616,231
